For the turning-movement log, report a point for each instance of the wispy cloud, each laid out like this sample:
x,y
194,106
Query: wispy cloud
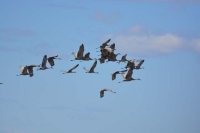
x,y
68,7
18,32
110,18
129,41
11,130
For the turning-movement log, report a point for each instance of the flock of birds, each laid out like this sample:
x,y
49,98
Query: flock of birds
x,y
107,53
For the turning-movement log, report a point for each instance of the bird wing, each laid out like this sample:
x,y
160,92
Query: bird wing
x,y
87,55
130,64
105,43
139,64
80,52
30,70
101,93
109,90
124,57
129,74
114,75
85,69
74,67
93,66
44,61
112,46
51,61
24,71
123,71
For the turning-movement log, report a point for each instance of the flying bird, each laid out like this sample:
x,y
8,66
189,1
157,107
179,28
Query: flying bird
x,y
128,76
23,70
139,65
79,55
123,59
102,92
44,62
70,70
115,73
30,69
105,43
92,68
51,60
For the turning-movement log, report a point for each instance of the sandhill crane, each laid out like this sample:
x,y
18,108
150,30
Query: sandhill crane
x,y
92,68
87,57
79,55
104,53
105,43
123,59
128,76
70,70
131,63
102,92
51,60
30,69
139,65
115,73
113,57
44,62
23,70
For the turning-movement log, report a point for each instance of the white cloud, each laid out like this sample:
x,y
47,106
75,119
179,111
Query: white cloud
x,y
150,44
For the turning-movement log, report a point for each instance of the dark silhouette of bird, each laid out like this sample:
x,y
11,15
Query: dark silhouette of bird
x,y
102,92
70,70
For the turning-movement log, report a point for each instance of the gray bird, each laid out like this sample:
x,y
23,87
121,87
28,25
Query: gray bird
x,y
102,92
92,68
115,73
70,70
128,76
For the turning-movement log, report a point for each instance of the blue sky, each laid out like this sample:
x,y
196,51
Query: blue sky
x,y
162,32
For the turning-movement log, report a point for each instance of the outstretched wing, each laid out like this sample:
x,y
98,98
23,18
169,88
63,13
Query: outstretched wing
x,y
129,74
93,66
101,93
112,46
44,61
130,64
30,70
74,67
139,64
105,43
114,75
124,57
85,69
24,71
80,52
109,90
51,61
87,55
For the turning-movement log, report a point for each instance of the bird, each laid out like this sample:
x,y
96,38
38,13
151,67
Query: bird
x,y
51,60
79,55
102,92
123,59
70,70
128,76
87,57
23,70
105,43
92,68
129,65
44,62
139,65
30,69
113,57
115,73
